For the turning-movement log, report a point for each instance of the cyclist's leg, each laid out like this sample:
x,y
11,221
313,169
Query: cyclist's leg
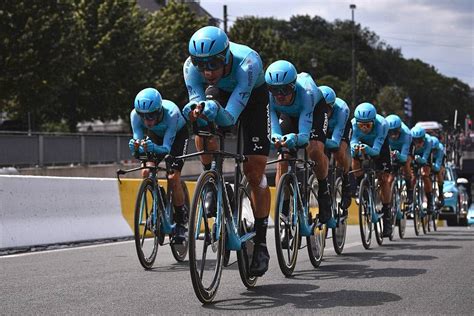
x,y
255,124
315,151
342,157
440,179
409,179
179,148
383,164
426,174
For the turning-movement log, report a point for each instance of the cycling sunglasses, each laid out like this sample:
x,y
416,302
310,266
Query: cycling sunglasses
x,y
394,132
156,115
366,125
284,90
209,63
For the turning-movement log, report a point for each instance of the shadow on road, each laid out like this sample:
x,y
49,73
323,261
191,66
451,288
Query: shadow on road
x,y
410,246
302,296
355,271
175,267
379,256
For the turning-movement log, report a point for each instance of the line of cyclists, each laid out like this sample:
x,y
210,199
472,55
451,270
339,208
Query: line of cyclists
x,y
281,108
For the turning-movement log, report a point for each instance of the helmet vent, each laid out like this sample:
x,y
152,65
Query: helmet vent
x,y
284,76
202,47
212,44
271,77
194,43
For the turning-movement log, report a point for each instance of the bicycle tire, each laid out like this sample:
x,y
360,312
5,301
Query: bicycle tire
x,y
417,205
245,224
180,251
287,189
339,232
365,220
198,222
395,208
144,206
317,241
402,223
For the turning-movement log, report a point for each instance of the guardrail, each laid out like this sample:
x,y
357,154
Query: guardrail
x,y
51,149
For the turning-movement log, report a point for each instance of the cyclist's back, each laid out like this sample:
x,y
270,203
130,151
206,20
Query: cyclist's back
x,y
403,143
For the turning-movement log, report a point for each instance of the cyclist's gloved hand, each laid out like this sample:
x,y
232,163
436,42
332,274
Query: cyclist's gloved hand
x,y
396,155
188,108
275,138
151,147
131,145
211,108
291,140
420,160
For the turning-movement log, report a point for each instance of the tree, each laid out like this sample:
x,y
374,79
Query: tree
x,y
390,101
166,37
39,57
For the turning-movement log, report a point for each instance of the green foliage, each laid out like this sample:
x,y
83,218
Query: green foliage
x,y
166,37
66,61
390,100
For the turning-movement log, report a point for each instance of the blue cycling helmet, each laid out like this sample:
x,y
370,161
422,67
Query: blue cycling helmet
x,y
280,72
209,41
365,112
418,132
328,94
148,100
434,142
393,121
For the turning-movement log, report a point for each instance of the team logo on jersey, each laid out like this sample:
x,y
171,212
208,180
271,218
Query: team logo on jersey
x,y
325,125
244,95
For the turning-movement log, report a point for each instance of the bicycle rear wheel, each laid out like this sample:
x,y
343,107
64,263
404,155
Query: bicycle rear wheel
x,y
365,216
317,241
180,251
339,232
417,206
206,240
287,239
402,222
246,223
146,224
396,207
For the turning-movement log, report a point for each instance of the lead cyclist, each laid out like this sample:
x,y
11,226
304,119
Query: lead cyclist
x,y
238,94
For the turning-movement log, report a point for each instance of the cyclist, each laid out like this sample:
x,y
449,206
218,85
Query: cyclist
x,y
164,127
298,115
399,137
422,153
338,139
438,156
369,138
239,94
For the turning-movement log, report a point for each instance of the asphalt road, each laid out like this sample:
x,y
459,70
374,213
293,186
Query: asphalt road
x,y
431,274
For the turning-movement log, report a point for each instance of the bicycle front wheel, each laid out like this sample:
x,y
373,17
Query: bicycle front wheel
x,y
417,209
396,207
146,224
402,222
180,251
339,232
317,241
246,222
206,238
287,239
365,214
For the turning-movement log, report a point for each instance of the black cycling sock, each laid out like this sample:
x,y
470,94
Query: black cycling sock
x,y
207,166
359,179
345,179
261,225
323,186
386,210
180,214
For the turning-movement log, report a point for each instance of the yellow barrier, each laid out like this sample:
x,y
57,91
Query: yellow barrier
x,y
128,189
